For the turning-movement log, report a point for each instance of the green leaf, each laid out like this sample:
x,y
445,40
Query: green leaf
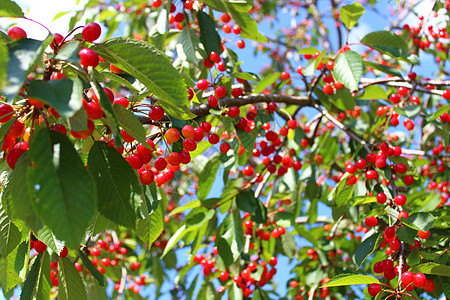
x,y
61,186
231,231
69,52
105,103
438,113
308,50
21,259
130,123
46,235
224,251
247,140
343,193
383,68
8,277
348,69
288,244
266,81
216,5
350,279
95,291
432,268
24,208
414,257
4,58
9,8
195,219
389,43
189,205
373,92
38,284
151,227
118,187
284,219
91,268
189,46
10,235
410,111
71,285
78,121
350,14
208,33
419,221
246,201
24,54
246,76
367,247
64,94
406,234
150,66
249,28
207,177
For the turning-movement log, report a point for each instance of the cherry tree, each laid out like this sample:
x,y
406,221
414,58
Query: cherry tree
x,y
144,142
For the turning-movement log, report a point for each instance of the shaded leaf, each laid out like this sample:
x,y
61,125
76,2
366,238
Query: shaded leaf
x,y
64,94
130,123
38,284
208,33
189,46
24,54
10,235
118,187
367,247
61,186
71,285
91,268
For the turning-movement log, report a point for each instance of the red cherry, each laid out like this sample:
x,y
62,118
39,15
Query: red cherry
x,y
419,280
248,171
12,156
225,18
202,84
234,111
16,33
213,138
429,286
224,147
381,198
423,234
156,112
285,75
89,58
91,32
221,91
122,101
39,246
371,221
371,174
374,289
64,252
172,135
236,29
273,261
146,177
213,101
400,200
6,113
240,44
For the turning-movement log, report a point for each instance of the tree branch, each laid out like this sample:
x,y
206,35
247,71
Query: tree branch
x,y
203,109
